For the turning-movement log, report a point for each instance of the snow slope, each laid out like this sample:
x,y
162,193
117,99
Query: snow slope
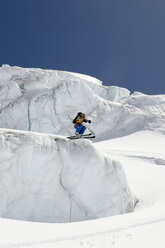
x,y
143,157
38,100
143,228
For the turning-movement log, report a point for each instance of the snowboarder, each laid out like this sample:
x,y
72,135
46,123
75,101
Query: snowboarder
x,y
79,119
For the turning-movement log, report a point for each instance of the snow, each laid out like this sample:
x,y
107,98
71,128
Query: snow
x,y
144,227
52,179
145,150
130,135
41,100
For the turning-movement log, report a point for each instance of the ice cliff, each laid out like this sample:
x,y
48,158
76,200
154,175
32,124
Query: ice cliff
x,y
44,176
51,179
41,100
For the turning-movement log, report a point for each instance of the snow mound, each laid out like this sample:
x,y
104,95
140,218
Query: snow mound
x,y
52,179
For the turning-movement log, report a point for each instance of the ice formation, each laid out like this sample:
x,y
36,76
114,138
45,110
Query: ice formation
x,y
41,100
51,179
47,178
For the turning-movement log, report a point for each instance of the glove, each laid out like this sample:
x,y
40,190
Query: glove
x,y
89,121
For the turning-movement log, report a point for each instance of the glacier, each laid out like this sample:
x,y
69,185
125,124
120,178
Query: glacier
x,y
46,178
41,101
56,192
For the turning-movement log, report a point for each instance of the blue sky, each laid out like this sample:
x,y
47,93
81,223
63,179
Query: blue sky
x,y
121,42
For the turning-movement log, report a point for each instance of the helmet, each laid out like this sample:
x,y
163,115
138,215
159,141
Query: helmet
x,y
80,114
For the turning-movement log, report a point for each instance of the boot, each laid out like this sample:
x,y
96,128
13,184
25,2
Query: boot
x,y
78,135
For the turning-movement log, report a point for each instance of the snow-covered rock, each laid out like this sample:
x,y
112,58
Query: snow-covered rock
x,y
52,179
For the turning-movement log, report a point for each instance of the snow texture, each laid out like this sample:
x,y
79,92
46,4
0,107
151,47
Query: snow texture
x,y
143,228
41,100
47,178
51,179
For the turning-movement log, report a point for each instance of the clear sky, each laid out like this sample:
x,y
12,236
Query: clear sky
x,y
121,42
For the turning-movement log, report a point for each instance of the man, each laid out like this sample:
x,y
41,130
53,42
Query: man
x,y
80,129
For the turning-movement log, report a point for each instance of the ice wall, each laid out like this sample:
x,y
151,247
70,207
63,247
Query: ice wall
x,y
51,179
41,100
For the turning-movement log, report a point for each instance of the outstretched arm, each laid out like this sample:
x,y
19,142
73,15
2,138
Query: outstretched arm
x,y
86,120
